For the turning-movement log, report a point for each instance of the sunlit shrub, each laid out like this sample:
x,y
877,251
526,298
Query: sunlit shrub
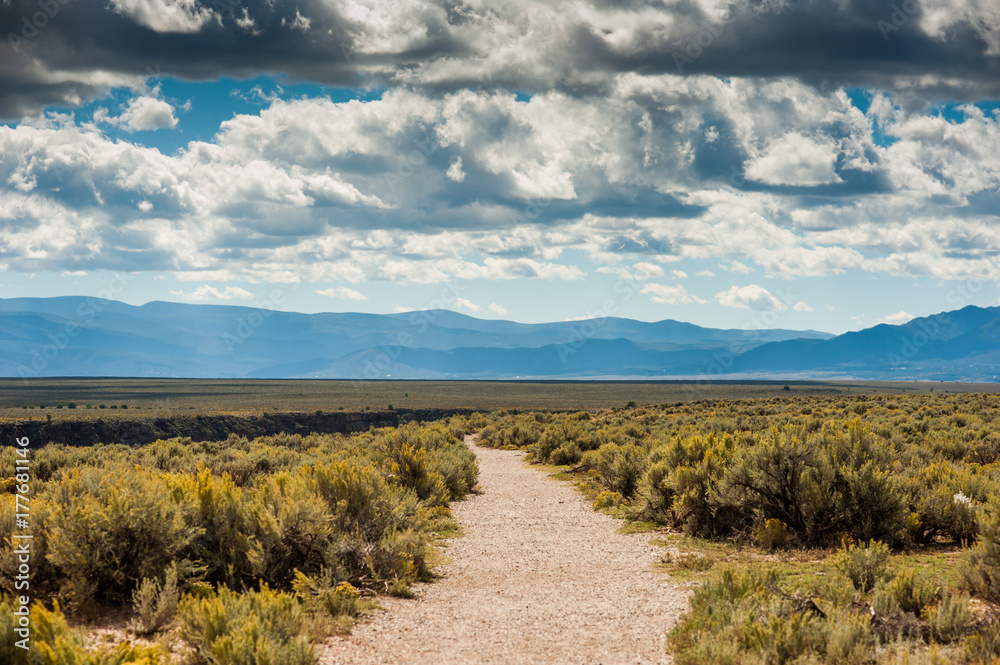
x,y
980,568
155,604
53,642
254,628
864,565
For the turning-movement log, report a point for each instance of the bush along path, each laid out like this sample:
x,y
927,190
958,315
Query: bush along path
x,y
537,577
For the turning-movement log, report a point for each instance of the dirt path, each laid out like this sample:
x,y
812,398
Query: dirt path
x,y
538,578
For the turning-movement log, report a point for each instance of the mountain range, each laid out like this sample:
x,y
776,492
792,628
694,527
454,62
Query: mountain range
x,y
78,336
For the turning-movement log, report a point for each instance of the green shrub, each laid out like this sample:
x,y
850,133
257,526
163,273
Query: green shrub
x,y
951,619
619,467
980,567
108,531
53,642
849,639
155,605
772,534
256,628
983,647
909,591
607,499
864,565
778,479
320,591
223,522
741,616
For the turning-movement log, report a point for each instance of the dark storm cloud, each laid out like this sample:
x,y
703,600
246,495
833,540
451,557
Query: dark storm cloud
x,y
86,45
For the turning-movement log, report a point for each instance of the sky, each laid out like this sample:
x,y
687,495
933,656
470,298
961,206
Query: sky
x,y
800,164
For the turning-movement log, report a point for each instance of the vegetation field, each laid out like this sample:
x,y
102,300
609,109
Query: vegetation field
x,y
83,398
842,529
817,523
247,551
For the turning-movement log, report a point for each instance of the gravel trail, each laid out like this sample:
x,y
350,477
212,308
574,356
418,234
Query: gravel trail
x,y
538,577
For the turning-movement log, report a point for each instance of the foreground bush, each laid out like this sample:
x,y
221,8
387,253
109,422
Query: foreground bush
x,y
53,642
864,565
783,472
980,567
744,615
255,628
110,520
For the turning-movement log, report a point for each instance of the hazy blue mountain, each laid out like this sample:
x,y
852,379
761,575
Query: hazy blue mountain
x,y
960,344
77,336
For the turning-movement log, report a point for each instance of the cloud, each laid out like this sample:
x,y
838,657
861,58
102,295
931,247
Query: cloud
x,y
455,171
737,267
802,307
146,113
640,271
670,294
576,47
499,310
750,296
311,189
300,22
207,292
342,293
704,273
679,274
463,303
896,318
165,16
794,159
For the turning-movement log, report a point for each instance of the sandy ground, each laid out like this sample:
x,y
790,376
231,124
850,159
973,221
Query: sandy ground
x,y
538,577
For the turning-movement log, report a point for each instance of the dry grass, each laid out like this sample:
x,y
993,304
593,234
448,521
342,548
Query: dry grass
x,y
164,397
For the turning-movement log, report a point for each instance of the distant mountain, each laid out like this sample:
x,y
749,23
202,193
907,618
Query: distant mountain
x,y
960,345
76,336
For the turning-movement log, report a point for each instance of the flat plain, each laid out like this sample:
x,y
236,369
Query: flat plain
x,y
164,397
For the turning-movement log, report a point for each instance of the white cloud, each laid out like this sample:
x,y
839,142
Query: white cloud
x,y
300,22
146,113
639,272
794,159
668,294
342,293
455,171
208,292
802,307
463,303
750,296
184,16
679,274
499,310
704,273
294,183
738,267
896,318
